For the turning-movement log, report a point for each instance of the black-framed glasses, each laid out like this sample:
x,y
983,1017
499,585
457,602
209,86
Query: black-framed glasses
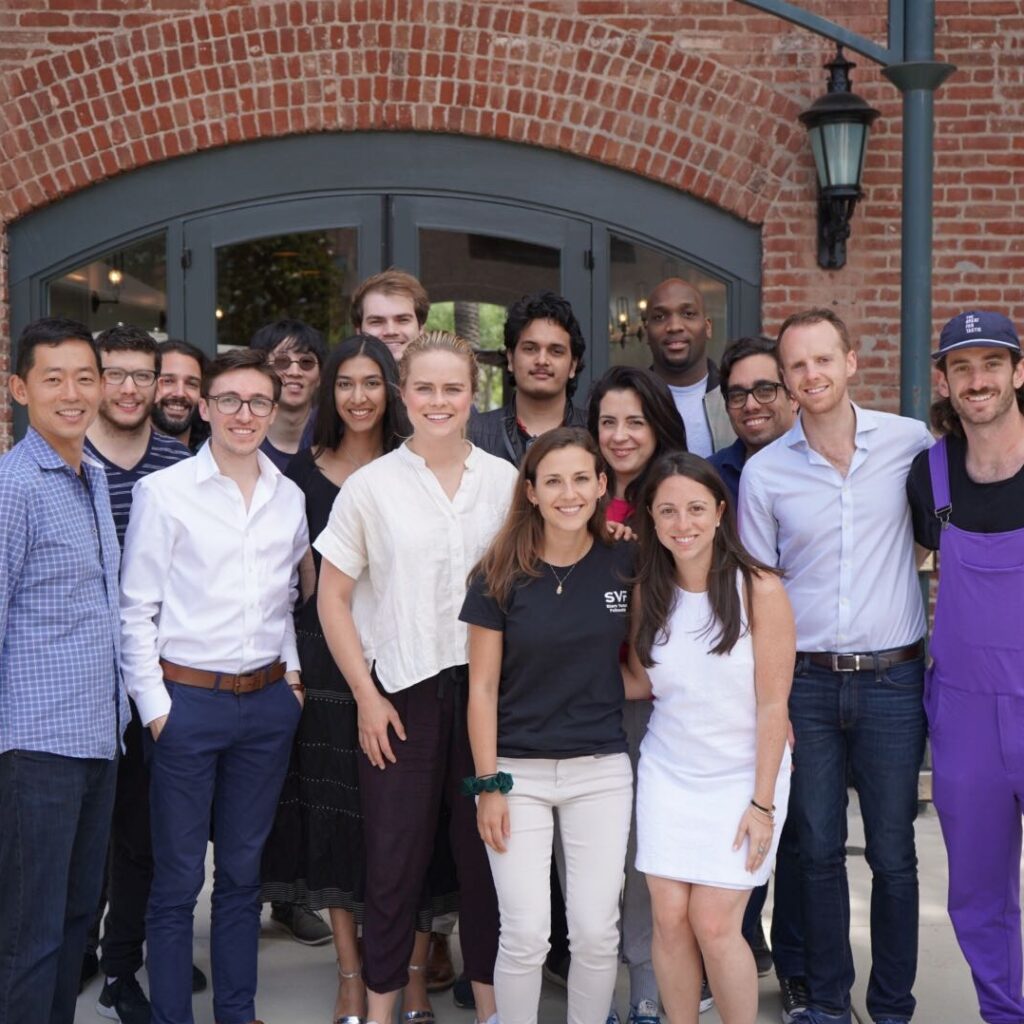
x,y
764,391
229,403
141,378
283,362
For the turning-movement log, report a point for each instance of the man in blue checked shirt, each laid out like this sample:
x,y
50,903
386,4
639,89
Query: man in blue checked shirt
x,y
62,704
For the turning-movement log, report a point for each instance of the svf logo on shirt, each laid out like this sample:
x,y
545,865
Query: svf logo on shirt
x,y
615,600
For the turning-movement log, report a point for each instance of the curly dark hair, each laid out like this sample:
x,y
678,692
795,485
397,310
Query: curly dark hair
x,y
945,419
546,306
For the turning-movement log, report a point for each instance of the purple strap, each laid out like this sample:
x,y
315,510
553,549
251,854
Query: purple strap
x,y
939,467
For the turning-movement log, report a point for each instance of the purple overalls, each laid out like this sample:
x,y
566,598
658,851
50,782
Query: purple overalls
x,y
974,698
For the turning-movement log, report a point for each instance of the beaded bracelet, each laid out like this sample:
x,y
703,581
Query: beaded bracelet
x,y
499,782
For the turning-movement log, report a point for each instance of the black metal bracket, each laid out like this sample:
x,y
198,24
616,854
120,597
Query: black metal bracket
x,y
835,210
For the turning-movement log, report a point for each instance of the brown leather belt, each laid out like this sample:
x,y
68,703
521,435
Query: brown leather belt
x,y
870,661
222,681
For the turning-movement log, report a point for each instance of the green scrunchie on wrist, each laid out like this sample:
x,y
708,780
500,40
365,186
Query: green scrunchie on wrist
x,y
499,782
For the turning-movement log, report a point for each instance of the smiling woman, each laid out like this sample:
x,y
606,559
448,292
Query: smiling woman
x,y
415,521
546,610
716,639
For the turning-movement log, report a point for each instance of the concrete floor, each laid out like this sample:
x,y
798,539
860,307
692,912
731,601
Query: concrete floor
x,y
297,984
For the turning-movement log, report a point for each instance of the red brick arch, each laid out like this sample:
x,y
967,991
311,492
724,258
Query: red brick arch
x,y
191,83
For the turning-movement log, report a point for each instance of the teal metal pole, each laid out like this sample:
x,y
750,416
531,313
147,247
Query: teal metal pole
x,y
917,78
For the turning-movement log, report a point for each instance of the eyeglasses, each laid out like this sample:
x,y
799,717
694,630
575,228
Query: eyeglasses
x,y
229,404
764,392
141,378
283,362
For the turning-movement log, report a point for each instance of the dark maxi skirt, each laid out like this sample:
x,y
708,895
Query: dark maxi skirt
x,y
315,853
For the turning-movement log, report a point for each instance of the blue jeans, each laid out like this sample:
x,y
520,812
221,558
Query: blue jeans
x,y
54,827
866,729
226,755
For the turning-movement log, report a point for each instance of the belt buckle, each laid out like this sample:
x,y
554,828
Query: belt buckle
x,y
835,663
240,681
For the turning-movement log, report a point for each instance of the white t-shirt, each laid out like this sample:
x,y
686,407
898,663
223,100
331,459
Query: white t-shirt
x,y
393,519
690,403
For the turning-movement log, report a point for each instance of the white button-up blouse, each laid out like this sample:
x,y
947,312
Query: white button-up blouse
x,y
393,519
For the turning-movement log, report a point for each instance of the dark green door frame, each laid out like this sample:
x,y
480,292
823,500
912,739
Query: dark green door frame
x,y
253,189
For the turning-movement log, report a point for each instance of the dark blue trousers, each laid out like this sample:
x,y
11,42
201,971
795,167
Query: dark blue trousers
x,y
873,726
226,755
54,827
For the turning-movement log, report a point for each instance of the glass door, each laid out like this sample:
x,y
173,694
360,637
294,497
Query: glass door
x,y
475,258
299,259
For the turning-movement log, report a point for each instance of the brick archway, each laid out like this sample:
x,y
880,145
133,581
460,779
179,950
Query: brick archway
x,y
285,67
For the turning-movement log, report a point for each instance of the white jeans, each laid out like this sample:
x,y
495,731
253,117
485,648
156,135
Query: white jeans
x,y
593,799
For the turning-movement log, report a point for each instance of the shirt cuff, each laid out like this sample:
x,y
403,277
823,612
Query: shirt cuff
x,y
152,703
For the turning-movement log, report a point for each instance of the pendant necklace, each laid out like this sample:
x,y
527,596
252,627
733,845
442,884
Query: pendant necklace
x,y
562,579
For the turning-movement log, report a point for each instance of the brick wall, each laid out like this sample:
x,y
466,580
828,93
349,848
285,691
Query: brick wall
x,y
699,94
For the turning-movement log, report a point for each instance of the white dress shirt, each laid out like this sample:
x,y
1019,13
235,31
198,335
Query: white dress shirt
x,y
206,582
393,518
845,544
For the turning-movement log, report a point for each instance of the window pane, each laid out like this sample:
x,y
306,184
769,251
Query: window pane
x,y
123,286
635,271
482,324
308,276
470,280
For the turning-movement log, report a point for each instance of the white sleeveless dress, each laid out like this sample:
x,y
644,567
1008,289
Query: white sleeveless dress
x,y
697,761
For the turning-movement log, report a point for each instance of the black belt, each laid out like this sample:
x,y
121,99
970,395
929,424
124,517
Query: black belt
x,y
869,661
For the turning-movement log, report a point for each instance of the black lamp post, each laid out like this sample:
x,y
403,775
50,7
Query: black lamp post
x,y
838,125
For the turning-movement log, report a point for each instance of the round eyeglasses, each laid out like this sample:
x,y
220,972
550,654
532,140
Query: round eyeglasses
x,y
140,378
283,362
229,404
764,393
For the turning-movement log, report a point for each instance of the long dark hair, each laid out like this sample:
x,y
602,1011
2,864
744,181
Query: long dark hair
x,y
656,575
514,554
329,427
659,409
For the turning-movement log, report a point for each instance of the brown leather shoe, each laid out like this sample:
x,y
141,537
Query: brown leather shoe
x,y
440,970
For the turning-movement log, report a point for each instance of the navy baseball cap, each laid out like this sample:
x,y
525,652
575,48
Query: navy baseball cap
x,y
987,330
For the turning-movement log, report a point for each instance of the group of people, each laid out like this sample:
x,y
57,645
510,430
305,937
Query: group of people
x,y
398,657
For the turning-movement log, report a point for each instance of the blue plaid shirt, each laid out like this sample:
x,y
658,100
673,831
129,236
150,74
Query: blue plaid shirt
x,y
60,684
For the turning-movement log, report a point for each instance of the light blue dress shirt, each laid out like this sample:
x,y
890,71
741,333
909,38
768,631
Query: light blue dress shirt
x,y
845,544
60,685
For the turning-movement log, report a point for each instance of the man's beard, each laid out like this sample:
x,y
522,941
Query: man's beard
x,y
173,425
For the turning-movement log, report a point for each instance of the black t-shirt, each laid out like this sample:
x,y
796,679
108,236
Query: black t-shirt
x,y
561,691
978,508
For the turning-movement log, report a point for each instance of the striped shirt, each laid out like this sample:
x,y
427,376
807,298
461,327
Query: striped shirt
x,y
161,452
60,686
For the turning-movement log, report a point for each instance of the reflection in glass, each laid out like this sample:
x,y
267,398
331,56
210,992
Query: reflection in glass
x,y
482,324
636,270
308,276
122,286
471,279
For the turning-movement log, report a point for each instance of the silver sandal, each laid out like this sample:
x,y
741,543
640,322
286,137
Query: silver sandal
x,y
418,1016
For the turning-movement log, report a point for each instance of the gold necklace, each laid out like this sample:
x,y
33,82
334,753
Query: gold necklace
x,y
562,579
